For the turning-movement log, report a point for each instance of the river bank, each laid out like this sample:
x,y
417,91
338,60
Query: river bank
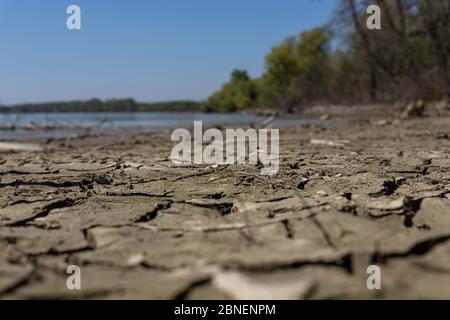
x,y
347,196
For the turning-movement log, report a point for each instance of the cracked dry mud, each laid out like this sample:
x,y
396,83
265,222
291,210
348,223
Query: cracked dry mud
x,y
346,196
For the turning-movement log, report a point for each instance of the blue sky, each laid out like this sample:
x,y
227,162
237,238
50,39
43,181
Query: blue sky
x,y
150,50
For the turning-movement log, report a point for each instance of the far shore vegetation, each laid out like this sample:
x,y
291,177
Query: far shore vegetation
x,y
97,105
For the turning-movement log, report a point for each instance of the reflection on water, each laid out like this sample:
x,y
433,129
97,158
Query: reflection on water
x,y
64,124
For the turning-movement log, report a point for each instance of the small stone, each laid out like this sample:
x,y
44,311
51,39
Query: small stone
x,y
387,205
103,180
135,260
302,183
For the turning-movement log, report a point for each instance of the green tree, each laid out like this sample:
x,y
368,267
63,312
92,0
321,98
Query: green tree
x,y
239,93
296,69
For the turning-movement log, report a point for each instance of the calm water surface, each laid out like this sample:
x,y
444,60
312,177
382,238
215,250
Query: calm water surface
x,y
66,124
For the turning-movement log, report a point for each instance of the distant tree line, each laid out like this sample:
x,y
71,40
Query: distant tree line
x,y
345,62
97,105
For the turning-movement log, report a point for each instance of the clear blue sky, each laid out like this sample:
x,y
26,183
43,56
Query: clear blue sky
x,y
150,50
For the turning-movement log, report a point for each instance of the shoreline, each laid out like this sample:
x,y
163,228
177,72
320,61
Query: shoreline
x,y
35,131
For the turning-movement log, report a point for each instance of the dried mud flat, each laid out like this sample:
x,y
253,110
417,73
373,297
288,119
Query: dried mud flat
x,y
346,196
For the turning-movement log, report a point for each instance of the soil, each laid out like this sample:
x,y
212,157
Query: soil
x,y
347,196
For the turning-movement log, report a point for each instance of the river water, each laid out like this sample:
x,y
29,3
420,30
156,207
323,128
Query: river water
x,y
66,124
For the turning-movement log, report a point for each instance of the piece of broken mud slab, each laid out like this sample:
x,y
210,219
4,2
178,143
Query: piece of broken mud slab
x,y
346,196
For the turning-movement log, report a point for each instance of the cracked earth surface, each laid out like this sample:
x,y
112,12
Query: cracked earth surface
x,y
346,196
